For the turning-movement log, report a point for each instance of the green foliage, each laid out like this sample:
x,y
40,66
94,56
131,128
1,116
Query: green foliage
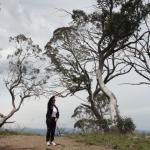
x,y
19,38
86,125
79,16
61,33
91,125
86,119
120,19
125,125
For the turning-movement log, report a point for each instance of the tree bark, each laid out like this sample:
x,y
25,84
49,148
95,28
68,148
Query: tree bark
x,y
5,118
113,100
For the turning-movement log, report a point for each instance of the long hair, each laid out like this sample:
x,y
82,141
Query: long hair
x,y
51,98
50,101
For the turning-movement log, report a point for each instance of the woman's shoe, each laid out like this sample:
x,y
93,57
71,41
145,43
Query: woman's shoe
x,y
53,143
48,143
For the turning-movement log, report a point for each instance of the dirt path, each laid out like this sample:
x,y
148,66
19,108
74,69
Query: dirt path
x,y
22,142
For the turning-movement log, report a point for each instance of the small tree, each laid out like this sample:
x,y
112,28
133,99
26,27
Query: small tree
x,y
26,77
85,118
125,125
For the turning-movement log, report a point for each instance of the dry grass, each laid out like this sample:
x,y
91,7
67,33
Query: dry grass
x,y
115,141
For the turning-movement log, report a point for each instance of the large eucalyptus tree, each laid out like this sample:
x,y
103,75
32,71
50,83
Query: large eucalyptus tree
x,y
87,53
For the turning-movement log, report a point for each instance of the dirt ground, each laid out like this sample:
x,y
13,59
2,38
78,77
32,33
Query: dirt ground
x,y
22,142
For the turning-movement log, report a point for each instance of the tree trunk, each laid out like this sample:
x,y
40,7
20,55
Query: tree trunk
x,y
2,122
113,101
4,119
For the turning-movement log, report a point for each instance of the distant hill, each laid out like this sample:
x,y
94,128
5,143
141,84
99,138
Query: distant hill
x,y
41,131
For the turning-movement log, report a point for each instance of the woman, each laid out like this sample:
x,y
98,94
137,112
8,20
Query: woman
x,y
51,119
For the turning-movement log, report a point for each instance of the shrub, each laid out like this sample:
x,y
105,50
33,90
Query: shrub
x,y
125,125
92,125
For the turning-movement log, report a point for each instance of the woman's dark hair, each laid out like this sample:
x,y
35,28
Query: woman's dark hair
x,y
51,98
51,101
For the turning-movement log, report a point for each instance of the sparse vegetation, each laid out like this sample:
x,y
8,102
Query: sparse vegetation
x,y
111,140
115,140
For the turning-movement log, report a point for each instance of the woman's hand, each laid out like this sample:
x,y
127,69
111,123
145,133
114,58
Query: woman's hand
x,y
56,119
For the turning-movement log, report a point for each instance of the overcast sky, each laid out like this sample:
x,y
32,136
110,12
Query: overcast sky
x,y
37,19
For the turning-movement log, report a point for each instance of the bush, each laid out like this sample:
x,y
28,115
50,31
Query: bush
x,y
125,125
92,125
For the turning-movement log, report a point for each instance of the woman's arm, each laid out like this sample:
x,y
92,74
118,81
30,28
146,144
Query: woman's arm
x,y
57,114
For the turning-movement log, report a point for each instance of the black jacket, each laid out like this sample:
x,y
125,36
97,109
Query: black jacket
x,y
50,111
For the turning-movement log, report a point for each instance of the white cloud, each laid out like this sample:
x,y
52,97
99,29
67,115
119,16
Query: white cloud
x,y
36,18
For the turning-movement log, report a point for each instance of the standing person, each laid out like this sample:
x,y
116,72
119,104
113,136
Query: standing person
x,y
51,119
